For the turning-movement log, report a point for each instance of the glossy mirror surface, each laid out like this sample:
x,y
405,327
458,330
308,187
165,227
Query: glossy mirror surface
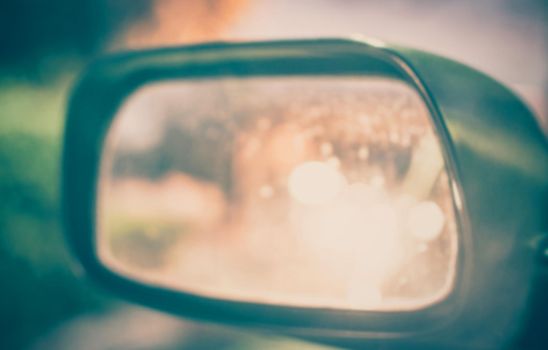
x,y
327,192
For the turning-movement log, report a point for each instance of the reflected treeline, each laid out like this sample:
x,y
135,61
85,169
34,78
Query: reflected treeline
x,y
204,154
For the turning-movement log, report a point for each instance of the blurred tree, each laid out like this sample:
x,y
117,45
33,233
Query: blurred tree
x,y
32,31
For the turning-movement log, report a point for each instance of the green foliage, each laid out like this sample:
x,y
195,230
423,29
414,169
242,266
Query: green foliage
x,y
38,288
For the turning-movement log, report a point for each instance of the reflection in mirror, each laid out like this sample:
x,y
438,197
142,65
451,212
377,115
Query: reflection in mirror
x,y
323,192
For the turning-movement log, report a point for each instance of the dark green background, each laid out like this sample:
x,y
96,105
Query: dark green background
x,y
42,46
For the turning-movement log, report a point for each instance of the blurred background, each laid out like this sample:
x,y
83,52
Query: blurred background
x,y
45,303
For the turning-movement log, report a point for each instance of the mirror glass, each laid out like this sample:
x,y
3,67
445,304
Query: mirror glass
x,y
310,191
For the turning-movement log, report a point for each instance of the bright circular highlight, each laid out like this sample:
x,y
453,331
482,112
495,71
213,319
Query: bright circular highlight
x,y
425,221
315,183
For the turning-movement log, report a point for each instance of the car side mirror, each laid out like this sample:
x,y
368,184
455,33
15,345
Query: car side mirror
x,y
330,189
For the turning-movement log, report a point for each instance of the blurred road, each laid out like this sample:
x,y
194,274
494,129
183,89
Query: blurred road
x,y
134,328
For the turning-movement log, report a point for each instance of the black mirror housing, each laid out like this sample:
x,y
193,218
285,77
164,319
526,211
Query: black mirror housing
x,y
496,154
